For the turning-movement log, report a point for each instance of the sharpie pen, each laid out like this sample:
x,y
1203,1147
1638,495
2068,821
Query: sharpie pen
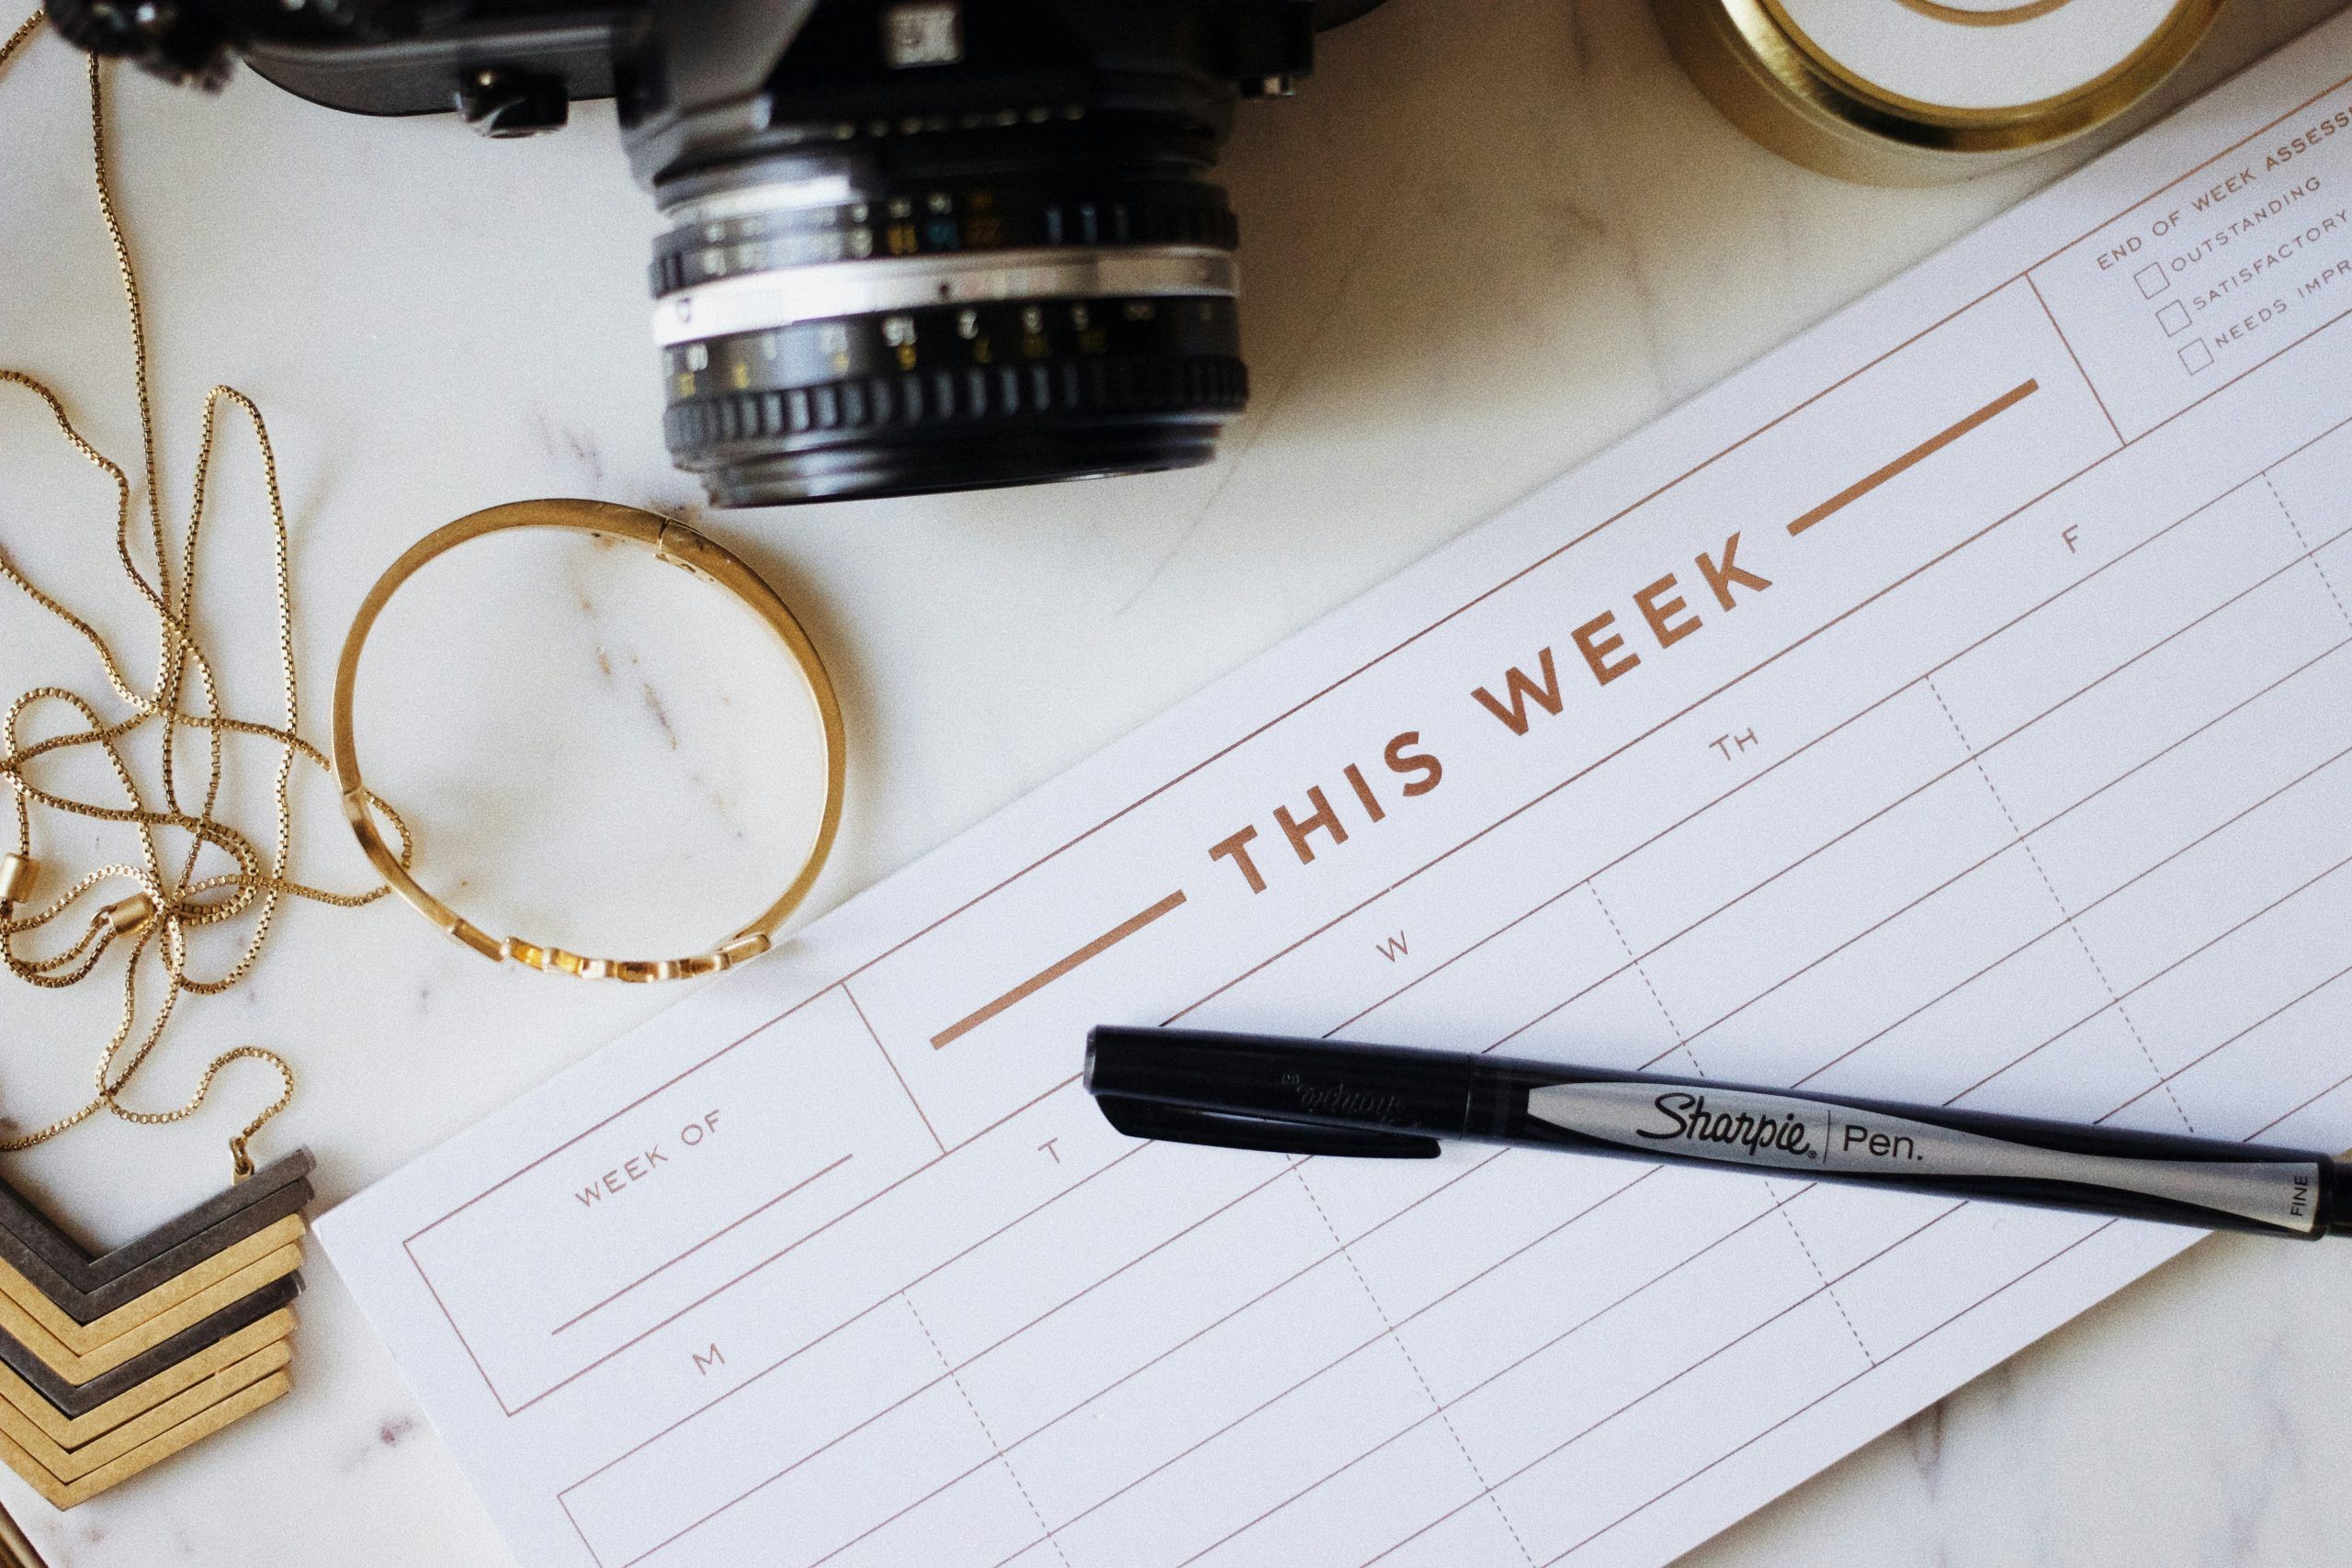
x,y
1316,1097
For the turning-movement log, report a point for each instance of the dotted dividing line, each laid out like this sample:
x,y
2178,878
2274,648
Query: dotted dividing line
x,y
1634,958
981,1421
1780,1203
2305,544
1826,1288
2114,997
1438,1405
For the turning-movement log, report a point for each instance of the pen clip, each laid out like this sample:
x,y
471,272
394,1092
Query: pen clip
x,y
1275,1135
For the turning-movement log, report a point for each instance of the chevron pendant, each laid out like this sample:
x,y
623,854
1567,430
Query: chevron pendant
x,y
113,1361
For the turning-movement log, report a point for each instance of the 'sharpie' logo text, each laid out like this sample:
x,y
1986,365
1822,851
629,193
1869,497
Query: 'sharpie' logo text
x,y
1687,1117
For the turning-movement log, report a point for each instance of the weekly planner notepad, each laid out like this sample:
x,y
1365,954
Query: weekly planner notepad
x,y
1955,706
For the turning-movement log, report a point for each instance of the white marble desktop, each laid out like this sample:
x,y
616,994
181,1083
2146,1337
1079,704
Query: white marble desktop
x,y
1487,240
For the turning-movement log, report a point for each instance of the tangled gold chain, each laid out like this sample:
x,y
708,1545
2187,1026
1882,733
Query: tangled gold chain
x,y
167,905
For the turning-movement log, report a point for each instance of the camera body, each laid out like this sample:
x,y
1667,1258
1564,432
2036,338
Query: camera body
x,y
914,246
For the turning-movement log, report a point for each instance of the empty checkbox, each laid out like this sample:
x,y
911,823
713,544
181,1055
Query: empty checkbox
x,y
2195,357
2152,280
2174,318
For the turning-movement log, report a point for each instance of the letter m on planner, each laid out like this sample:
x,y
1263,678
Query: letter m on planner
x,y
1519,691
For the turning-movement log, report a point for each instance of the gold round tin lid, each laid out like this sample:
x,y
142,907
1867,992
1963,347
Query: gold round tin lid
x,y
1912,92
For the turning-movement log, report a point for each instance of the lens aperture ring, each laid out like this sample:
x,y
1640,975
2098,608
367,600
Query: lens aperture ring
x,y
949,220
923,370
955,339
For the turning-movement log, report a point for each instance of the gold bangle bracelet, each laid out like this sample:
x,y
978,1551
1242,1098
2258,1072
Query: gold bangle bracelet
x,y
682,547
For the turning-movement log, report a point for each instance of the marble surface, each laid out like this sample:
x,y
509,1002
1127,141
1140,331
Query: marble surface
x,y
1482,243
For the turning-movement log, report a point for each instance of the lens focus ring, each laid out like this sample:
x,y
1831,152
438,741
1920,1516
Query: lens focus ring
x,y
944,398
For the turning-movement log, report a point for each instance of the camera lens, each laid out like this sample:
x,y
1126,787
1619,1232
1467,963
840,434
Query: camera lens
x,y
836,326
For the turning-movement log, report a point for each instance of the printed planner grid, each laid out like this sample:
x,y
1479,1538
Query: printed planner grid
x,y
2073,952
1985,746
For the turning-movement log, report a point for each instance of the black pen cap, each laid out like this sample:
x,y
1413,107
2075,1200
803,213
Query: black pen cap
x,y
1336,1083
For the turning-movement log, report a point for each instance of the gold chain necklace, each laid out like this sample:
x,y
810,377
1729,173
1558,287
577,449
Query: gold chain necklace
x,y
167,903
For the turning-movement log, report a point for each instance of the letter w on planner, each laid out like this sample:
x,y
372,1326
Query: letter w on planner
x,y
1518,689
1392,948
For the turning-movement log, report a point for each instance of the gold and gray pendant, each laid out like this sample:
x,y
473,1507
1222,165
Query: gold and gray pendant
x,y
110,1363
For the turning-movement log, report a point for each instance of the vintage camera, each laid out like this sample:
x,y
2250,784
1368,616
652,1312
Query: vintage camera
x,y
928,245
